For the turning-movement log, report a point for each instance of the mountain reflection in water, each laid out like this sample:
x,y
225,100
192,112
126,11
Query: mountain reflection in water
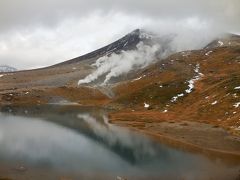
x,y
74,140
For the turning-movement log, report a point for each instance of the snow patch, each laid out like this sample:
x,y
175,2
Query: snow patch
x,y
194,79
236,105
236,88
175,98
208,53
138,78
235,95
191,83
1,75
146,105
220,43
215,102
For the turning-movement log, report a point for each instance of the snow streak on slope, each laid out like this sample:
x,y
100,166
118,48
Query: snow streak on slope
x,y
191,83
119,64
194,79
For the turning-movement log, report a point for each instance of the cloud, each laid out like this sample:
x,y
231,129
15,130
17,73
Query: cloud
x,y
39,33
51,12
42,46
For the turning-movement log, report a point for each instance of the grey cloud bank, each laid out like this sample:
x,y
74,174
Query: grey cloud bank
x,y
40,33
51,12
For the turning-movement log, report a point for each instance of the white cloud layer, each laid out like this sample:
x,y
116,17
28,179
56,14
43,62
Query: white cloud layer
x,y
40,33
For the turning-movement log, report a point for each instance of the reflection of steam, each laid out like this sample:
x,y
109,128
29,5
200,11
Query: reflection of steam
x,y
118,64
119,137
102,148
35,141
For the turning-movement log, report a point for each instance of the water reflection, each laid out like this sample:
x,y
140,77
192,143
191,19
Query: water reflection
x,y
82,140
38,142
126,144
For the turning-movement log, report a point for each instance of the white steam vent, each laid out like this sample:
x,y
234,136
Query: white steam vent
x,y
119,64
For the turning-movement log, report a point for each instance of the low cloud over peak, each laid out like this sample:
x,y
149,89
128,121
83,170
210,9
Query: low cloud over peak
x,y
40,33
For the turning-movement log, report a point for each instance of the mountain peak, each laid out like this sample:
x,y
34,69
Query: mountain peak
x,y
5,68
136,31
142,34
128,42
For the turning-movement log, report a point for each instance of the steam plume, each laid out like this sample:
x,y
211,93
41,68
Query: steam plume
x,y
118,64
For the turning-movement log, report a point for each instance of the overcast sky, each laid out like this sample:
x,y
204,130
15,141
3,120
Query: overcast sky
x,y
37,33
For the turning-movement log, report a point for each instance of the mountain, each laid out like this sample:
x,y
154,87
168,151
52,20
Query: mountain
x,y
126,43
4,68
226,40
195,94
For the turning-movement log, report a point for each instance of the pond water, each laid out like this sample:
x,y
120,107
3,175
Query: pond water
x,y
55,142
